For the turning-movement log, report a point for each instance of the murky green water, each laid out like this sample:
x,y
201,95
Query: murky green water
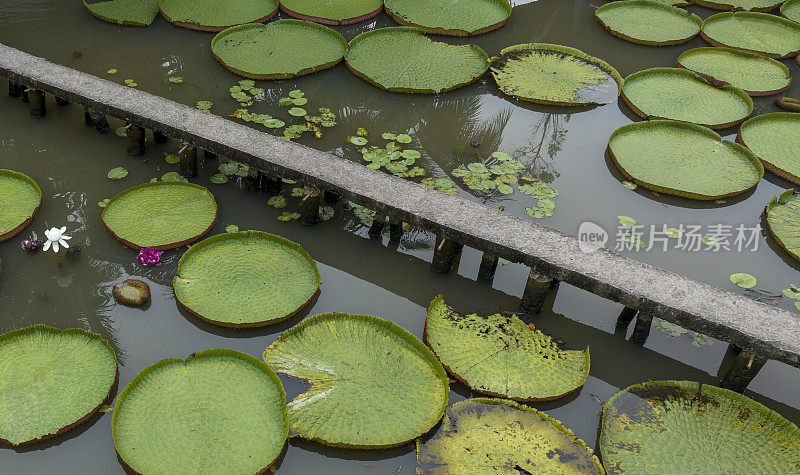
x,y
561,146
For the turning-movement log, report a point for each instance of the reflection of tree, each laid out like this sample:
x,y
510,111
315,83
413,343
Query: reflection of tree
x,y
547,139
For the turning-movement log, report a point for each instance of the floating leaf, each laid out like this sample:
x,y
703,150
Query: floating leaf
x,y
630,185
554,74
707,168
287,216
232,228
648,23
775,139
673,233
483,435
103,203
121,131
112,71
668,426
762,33
791,10
752,73
503,356
674,93
359,365
326,213
125,12
359,141
117,173
709,241
296,94
437,67
297,112
176,79
783,219
745,281
173,177
403,138
218,178
277,202
747,5
175,415
161,215
204,105
213,15
332,12
21,198
388,136
626,221
245,279
279,50
51,380
450,17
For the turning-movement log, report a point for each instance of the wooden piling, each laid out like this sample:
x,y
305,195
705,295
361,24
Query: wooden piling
x,y
14,89
60,101
626,317
745,367
272,186
378,222
99,121
36,101
87,117
309,208
252,182
160,137
395,229
209,155
188,165
641,331
331,197
488,266
136,136
443,255
536,289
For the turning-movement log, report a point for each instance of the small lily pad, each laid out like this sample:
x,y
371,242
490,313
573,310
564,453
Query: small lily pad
x,y
117,173
112,71
277,202
232,228
743,280
173,177
176,79
626,221
298,112
172,159
359,141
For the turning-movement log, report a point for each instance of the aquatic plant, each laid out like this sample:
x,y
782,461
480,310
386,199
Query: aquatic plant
x,y
131,292
760,33
125,12
783,219
648,22
216,15
450,17
149,257
743,280
752,73
31,245
117,173
332,12
56,238
21,198
775,139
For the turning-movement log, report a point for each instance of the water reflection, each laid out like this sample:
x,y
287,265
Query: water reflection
x,y
545,141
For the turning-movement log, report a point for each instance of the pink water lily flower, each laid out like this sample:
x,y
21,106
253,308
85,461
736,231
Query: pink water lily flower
x,y
148,256
56,237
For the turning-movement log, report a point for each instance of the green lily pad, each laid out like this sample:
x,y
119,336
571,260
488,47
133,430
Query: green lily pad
x,y
204,105
791,10
686,427
172,159
555,75
760,33
775,139
298,112
332,12
739,5
162,215
450,17
372,383
683,159
175,79
483,435
21,198
503,356
245,279
743,280
220,411
626,221
648,22
173,177
117,173
752,73
403,59
125,12
783,221
278,50
216,15
51,380
680,94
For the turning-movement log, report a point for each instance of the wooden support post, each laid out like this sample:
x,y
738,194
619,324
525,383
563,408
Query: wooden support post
x,y
61,102
252,182
136,136
87,117
488,266
642,329
24,95
626,317
332,197
734,348
395,229
535,292
160,137
36,101
744,369
188,156
378,222
209,155
14,89
309,208
443,255
272,186
100,121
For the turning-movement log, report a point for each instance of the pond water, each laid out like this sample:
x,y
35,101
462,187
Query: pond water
x,y
563,147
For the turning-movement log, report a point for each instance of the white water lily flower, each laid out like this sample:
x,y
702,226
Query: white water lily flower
x,y
55,237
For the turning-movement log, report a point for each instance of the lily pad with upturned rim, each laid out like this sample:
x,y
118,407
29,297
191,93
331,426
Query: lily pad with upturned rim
x,y
760,33
680,94
484,435
403,59
783,221
21,198
672,426
162,215
752,73
740,5
503,356
51,380
216,15
648,22
791,9
775,139
278,50
372,383
450,17
125,12
245,279
555,75
332,12
683,159
219,411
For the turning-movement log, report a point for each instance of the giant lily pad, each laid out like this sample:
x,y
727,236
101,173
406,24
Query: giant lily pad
x,y
503,356
738,5
760,33
683,159
686,427
791,10
680,94
279,50
775,139
648,22
555,75
484,435
125,12
51,380
245,279
783,221
216,15
451,17
752,73
162,215
332,12
20,199
220,411
403,59
373,384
